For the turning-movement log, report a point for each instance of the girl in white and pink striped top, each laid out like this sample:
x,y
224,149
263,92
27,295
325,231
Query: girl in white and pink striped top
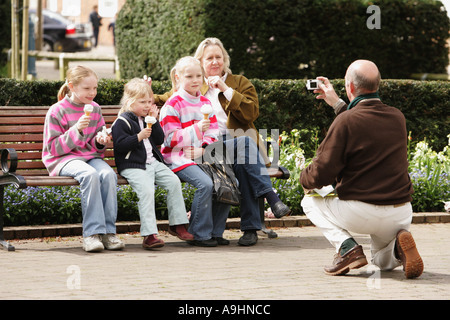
x,y
73,147
187,131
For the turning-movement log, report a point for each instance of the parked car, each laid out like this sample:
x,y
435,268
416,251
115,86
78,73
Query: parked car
x,y
62,35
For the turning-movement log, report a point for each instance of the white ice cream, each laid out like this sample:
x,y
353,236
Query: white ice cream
x,y
88,108
150,120
206,109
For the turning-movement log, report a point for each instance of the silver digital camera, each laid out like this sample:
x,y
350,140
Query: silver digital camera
x,y
313,84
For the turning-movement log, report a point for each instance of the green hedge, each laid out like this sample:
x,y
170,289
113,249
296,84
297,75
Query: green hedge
x,y
284,104
285,39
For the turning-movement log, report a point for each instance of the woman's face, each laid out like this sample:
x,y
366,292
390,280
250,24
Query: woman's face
x,y
85,91
212,61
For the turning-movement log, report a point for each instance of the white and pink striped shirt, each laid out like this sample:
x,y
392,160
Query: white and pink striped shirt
x,y
62,140
178,119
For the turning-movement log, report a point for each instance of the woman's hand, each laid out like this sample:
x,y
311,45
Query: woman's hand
x,y
216,82
148,79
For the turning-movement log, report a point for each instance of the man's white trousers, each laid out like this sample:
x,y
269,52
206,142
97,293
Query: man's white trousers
x,y
337,218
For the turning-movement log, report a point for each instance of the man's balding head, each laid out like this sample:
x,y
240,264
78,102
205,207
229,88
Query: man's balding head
x,y
363,77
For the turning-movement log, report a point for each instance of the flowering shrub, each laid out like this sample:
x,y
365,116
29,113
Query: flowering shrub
x,y
292,157
429,172
44,205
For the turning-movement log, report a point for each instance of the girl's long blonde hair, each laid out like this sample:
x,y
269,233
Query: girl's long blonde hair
x,y
180,67
134,89
74,75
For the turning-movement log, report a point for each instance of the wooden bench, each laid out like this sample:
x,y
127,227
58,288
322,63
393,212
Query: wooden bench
x,y
21,135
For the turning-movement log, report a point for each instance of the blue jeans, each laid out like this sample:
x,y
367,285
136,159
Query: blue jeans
x,y
254,180
98,186
143,183
208,217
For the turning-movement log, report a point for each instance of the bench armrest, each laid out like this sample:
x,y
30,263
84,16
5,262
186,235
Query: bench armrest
x,y
12,155
285,174
9,172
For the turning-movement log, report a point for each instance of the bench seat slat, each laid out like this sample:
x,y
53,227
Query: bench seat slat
x,y
42,181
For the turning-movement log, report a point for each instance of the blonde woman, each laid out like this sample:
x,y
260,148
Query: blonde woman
x,y
139,161
236,106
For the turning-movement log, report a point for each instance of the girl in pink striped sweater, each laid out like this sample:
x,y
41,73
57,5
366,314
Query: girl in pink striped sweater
x,y
186,133
73,147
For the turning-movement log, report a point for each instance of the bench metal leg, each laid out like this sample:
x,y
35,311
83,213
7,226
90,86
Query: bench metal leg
x,y
270,233
6,245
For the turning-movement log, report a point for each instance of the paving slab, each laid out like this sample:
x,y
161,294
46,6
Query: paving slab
x,y
289,267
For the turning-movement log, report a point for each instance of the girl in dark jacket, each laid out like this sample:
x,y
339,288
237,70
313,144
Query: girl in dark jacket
x,y
136,137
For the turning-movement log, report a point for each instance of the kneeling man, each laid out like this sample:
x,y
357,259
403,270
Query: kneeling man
x,y
364,155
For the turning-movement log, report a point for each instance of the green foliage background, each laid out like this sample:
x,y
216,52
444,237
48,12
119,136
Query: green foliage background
x,y
284,104
285,39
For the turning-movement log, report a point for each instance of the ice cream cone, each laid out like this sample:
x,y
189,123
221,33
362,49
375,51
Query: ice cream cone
x,y
88,108
150,121
206,109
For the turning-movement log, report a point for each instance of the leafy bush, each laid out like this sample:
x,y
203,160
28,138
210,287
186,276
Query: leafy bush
x,y
59,205
285,39
284,104
43,205
287,105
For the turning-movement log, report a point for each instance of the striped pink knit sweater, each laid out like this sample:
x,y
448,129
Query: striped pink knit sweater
x,y
178,118
62,140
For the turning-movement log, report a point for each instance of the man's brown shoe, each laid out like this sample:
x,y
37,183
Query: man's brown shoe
x,y
352,259
407,252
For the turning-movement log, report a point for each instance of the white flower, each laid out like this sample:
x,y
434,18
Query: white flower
x,y
447,206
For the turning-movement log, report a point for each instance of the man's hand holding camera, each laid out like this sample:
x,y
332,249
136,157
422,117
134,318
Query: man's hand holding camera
x,y
325,89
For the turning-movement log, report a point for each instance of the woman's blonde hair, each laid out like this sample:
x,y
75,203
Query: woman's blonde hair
x,y
180,67
74,75
213,42
134,89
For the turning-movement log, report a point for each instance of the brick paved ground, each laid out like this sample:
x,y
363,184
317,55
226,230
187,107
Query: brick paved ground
x,y
288,267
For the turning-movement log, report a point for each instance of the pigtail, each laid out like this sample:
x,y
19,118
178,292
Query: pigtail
x,y
63,91
173,73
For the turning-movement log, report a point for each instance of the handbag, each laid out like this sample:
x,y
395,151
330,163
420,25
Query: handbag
x,y
215,164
